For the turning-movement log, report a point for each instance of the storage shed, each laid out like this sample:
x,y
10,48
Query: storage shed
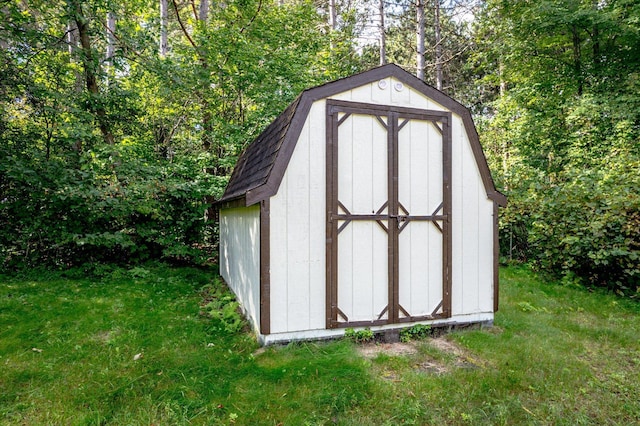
x,y
367,203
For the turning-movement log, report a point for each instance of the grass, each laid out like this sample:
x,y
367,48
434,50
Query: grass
x,y
69,354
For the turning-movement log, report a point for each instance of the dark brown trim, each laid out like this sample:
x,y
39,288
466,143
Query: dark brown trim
x,y
396,213
331,262
496,258
422,318
392,235
265,267
378,111
447,252
360,323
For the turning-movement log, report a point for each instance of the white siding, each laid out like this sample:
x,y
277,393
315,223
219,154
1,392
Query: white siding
x,y
472,274
420,176
362,245
240,257
298,234
298,221
389,95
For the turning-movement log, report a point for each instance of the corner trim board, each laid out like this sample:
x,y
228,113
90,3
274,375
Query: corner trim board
x,y
265,267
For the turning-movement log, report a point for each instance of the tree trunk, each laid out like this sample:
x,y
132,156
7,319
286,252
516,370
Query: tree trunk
x,y
91,70
333,15
111,38
503,83
596,49
72,44
577,59
383,40
203,13
438,49
111,47
420,39
4,43
164,19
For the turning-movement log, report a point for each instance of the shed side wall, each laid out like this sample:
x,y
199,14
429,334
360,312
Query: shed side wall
x,y
240,257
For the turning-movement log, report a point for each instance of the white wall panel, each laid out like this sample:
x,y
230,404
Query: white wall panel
x,y
389,95
240,257
298,234
298,215
362,270
472,274
279,249
420,180
362,164
298,187
362,245
420,268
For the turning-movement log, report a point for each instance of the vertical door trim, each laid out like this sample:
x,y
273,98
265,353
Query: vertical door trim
x,y
447,249
393,113
392,237
332,209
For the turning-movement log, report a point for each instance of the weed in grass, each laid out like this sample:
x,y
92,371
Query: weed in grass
x,y
359,336
418,331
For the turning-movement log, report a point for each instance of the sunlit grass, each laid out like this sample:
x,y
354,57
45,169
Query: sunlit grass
x,y
132,347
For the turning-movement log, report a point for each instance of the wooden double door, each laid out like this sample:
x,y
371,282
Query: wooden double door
x,y
388,214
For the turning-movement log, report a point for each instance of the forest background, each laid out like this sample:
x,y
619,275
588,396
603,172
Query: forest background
x,y
120,122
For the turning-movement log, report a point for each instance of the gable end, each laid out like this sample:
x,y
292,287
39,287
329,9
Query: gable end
x,y
260,168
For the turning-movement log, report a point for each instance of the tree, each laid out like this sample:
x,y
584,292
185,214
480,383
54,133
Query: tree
x,y
420,39
91,67
565,116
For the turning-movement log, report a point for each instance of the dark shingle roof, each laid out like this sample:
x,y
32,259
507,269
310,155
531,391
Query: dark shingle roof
x,y
256,161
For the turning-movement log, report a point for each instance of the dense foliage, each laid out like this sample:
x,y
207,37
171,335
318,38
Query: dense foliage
x,y
563,134
121,121
112,149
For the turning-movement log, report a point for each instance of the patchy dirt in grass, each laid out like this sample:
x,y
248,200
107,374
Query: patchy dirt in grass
x,y
454,356
432,367
105,337
372,350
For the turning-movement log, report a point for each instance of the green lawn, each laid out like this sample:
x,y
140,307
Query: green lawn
x,y
70,354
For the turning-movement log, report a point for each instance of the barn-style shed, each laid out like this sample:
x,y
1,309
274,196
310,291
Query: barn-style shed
x,y
367,203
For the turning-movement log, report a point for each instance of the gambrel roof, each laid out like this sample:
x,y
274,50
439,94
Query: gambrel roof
x,y
262,164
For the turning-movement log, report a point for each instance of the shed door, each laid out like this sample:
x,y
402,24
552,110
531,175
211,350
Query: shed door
x,y
388,214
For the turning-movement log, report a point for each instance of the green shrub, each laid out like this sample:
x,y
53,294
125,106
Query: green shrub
x,y
418,331
103,209
359,336
221,305
588,227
